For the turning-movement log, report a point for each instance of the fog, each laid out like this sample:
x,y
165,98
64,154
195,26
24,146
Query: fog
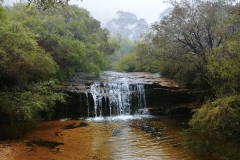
x,y
105,10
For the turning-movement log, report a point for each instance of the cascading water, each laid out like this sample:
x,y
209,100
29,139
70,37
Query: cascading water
x,y
87,103
116,98
114,94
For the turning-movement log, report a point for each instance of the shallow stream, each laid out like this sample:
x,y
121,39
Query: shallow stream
x,y
109,138
143,137
116,123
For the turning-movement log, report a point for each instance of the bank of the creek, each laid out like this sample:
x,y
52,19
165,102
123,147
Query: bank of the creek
x,y
118,116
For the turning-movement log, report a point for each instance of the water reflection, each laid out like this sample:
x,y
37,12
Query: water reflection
x,y
145,137
109,138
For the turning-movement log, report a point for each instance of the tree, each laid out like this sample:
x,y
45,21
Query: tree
x,y
27,104
72,37
21,60
127,63
185,36
43,5
123,46
27,72
216,123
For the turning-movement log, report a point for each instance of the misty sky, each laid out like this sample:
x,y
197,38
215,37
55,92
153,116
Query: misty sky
x,y
105,10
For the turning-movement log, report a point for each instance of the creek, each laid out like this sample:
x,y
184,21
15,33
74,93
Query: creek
x,y
128,115
118,116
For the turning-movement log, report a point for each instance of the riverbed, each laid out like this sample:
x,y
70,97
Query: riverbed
x,y
112,119
109,138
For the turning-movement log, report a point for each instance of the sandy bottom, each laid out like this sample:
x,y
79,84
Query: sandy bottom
x,y
5,151
57,140
85,140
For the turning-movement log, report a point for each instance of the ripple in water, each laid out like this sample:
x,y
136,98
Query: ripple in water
x,y
143,137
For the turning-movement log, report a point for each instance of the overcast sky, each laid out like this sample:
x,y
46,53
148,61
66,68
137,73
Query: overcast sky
x,y
105,10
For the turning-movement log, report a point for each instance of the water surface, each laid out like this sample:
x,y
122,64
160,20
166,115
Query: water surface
x,y
110,138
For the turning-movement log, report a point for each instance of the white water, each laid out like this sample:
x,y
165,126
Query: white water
x,y
118,118
124,99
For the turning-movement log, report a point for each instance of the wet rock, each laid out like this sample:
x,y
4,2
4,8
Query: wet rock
x,y
161,95
74,125
80,87
179,111
42,143
59,134
83,124
156,111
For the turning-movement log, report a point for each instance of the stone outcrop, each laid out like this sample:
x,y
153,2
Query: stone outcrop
x,y
161,96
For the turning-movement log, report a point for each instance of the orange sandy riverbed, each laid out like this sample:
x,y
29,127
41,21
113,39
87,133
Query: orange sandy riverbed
x,y
86,140
50,141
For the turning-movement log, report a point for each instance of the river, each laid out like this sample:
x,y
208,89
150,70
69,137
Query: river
x,y
111,122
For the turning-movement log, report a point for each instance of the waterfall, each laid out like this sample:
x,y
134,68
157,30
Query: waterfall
x,y
87,103
124,99
141,96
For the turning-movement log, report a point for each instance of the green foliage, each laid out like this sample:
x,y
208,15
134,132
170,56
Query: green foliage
x,y
2,15
127,63
178,44
211,118
202,147
43,5
197,44
217,122
36,48
27,104
123,46
215,126
146,61
21,60
72,37
26,70
223,68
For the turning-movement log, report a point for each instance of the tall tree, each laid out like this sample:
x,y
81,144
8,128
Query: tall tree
x,y
72,37
186,36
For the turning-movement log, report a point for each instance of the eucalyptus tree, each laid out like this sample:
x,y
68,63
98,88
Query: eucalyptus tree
x,y
186,36
71,35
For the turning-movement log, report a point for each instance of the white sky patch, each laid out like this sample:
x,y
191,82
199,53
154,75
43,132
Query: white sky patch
x,y
131,26
105,10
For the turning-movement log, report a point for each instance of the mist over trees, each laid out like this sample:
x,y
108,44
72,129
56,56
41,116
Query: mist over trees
x,y
125,29
127,24
124,46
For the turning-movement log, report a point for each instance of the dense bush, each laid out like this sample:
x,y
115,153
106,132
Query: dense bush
x,y
27,104
128,63
39,50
